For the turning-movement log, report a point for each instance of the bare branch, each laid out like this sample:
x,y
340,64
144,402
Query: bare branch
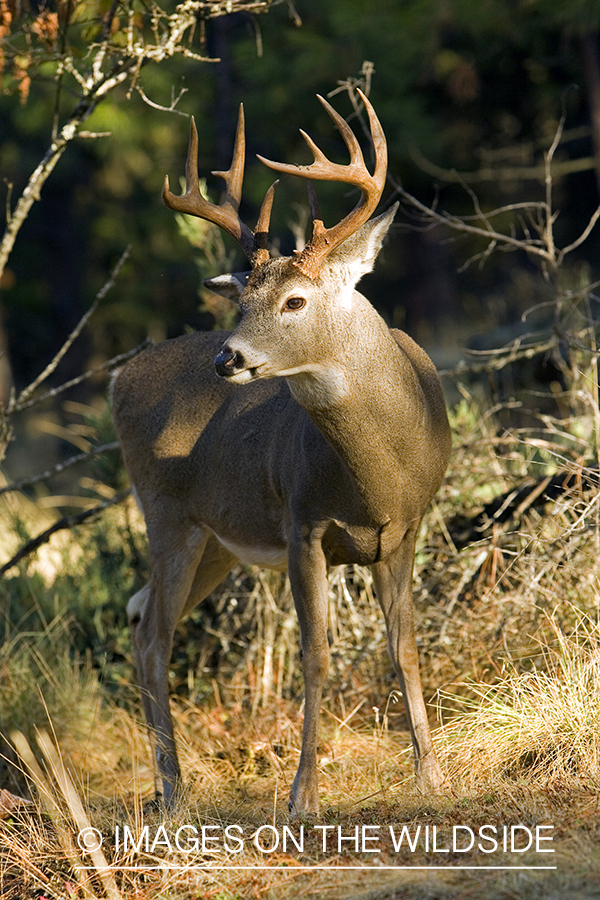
x,y
57,469
582,237
532,219
109,364
50,368
174,101
528,207
350,85
514,353
294,14
550,216
9,190
107,64
502,173
54,152
93,135
457,223
66,522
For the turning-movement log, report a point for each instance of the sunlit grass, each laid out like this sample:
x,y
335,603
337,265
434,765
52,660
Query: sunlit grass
x,y
542,724
522,751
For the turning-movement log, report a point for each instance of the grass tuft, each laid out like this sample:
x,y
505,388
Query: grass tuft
x,y
543,725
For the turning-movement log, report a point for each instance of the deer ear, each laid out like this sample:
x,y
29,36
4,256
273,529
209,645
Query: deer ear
x,y
357,255
229,286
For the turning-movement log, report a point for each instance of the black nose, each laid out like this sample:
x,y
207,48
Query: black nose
x,y
227,362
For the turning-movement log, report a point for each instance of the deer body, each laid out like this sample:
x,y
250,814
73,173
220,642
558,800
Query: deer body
x,y
319,440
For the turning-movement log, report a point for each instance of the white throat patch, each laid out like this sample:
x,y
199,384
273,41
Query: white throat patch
x,y
318,385
346,298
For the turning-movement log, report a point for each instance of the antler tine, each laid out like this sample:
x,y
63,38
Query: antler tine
x,y
225,214
379,141
234,176
315,212
324,240
322,168
350,139
261,253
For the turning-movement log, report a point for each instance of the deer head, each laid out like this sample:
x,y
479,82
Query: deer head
x,y
292,306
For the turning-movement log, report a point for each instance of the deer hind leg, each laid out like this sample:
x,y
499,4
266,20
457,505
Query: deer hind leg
x,y
393,583
308,580
179,581
215,565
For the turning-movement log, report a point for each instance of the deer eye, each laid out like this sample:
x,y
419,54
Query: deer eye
x,y
294,303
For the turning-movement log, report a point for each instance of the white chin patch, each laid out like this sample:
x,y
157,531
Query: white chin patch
x,y
242,377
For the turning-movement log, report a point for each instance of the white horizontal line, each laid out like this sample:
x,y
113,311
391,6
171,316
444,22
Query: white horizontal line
x,y
332,868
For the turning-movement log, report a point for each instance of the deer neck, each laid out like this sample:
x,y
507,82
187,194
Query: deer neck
x,y
368,404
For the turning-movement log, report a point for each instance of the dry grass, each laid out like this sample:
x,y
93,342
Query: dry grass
x,y
511,759
543,724
41,853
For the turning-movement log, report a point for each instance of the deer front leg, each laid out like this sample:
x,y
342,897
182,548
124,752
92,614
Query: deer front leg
x,y
153,616
308,580
393,583
151,645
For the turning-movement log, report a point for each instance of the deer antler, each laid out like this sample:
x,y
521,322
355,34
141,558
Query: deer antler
x,y
225,214
324,240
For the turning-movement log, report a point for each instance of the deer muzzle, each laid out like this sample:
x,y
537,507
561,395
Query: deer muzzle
x,y
228,362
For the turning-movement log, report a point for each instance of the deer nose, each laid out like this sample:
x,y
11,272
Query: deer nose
x,y
227,362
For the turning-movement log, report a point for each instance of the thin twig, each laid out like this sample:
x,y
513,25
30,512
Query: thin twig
x,y
502,173
174,102
50,368
7,204
551,216
60,525
60,467
109,364
494,365
582,237
534,247
294,14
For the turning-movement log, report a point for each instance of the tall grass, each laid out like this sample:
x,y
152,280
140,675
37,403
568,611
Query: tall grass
x,y
542,725
509,759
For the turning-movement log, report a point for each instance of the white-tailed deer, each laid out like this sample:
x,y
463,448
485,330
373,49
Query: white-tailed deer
x,y
319,440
